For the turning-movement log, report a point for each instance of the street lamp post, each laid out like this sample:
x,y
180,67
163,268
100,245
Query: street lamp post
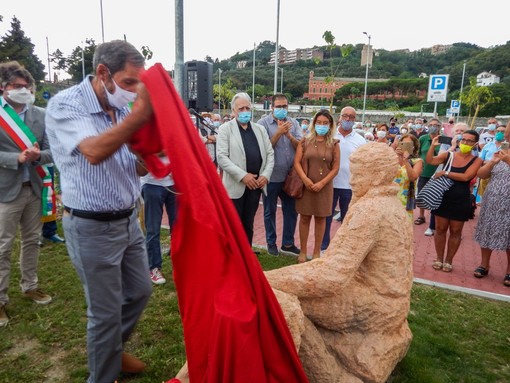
x,y
277,53
281,81
102,24
219,90
366,80
83,61
461,88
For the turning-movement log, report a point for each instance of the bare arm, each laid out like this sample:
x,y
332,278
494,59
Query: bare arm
x,y
435,160
98,148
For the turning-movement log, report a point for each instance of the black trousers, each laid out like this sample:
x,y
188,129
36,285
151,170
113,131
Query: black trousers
x,y
246,207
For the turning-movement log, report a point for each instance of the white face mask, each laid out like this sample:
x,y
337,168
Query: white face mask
x,y
381,133
120,97
21,96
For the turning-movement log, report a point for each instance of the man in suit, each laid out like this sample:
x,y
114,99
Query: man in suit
x,y
23,148
247,158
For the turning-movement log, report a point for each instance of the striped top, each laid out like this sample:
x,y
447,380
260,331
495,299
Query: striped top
x,y
71,116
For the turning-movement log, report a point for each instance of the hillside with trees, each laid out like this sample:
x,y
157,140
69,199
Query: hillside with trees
x,y
402,68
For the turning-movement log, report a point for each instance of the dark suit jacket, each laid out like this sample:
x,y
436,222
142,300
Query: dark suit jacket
x,y
11,172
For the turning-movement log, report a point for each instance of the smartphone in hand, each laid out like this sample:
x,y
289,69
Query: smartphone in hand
x,y
406,147
445,140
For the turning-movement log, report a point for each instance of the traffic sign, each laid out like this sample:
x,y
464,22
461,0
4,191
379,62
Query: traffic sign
x,y
455,106
46,95
438,88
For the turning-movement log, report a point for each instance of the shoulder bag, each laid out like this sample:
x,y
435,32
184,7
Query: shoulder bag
x,y
293,185
431,195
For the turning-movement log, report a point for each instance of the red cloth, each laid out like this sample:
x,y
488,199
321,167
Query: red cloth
x,y
234,328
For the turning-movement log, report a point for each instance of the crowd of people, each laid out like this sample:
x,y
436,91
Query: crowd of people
x,y
85,131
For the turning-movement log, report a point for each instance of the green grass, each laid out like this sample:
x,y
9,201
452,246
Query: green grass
x,y
457,337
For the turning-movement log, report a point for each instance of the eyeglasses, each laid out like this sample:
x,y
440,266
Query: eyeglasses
x,y
466,141
20,86
348,116
281,106
433,126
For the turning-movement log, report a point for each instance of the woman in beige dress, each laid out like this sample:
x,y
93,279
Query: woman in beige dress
x,y
317,162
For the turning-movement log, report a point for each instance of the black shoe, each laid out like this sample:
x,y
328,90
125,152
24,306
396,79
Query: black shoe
x,y
272,249
291,250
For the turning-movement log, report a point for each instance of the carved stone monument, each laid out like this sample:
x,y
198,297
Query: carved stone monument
x,y
347,311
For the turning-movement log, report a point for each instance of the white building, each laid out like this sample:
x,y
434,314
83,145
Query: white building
x,y
486,79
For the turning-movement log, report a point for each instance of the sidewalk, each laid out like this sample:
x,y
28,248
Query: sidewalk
x,y
465,262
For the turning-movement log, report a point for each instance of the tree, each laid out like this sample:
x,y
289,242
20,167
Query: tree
x,y
477,98
227,93
74,61
345,51
15,46
59,60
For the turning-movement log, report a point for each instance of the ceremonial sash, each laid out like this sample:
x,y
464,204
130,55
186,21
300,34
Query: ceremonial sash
x,y
22,136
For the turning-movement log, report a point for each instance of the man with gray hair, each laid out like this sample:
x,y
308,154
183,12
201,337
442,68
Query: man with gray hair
x,y
88,127
247,158
23,149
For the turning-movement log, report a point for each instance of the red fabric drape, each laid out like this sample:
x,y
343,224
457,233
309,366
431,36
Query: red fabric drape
x,y
234,329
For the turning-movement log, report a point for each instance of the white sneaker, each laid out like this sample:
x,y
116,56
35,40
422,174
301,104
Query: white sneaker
x,y
429,232
156,277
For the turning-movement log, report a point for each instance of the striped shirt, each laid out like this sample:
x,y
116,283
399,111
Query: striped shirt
x,y
71,116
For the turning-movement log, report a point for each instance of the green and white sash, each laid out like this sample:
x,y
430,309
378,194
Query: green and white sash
x,y
22,136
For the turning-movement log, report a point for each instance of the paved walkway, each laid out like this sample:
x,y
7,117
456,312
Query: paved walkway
x,y
464,263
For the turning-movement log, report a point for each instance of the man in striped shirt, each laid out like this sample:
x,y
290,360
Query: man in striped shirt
x,y
88,127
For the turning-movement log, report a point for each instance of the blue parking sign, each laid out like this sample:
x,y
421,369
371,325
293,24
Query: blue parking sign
x,y
438,88
455,103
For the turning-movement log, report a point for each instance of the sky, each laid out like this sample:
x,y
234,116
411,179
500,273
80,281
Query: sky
x,y
222,28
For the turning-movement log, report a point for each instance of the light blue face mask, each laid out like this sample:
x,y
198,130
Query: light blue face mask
x,y
244,117
492,127
216,124
347,125
304,127
321,130
280,113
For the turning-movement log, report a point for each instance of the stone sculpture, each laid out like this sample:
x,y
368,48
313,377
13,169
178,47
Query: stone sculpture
x,y
347,311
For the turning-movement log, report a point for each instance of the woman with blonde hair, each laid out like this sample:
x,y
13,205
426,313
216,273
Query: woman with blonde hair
x,y
317,162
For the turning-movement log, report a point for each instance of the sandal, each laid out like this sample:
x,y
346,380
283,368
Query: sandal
x,y
481,272
447,267
506,281
301,258
419,221
437,265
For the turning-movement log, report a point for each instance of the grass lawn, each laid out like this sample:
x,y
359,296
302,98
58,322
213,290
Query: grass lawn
x,y
457,337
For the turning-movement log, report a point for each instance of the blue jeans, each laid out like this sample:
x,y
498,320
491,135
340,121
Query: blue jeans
x,y
154,198
343,198
275,190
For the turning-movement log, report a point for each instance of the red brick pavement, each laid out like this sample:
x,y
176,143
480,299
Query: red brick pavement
x,y
465,262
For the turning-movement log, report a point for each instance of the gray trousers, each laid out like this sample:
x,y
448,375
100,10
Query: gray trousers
x,y
24,211
111,261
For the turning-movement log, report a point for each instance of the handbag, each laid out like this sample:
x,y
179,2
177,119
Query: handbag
x,y
293,185
431,195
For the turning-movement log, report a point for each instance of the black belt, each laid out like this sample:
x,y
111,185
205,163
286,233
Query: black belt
x,y
26,183
100,216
